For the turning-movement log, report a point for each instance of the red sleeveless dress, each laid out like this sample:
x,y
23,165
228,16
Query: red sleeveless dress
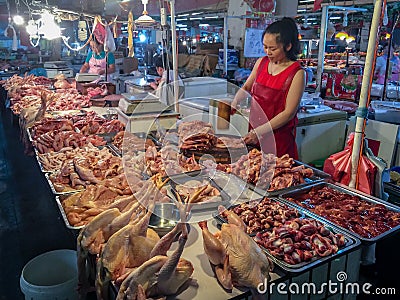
x,y
269,99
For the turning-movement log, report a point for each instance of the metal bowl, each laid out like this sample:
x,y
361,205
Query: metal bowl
x,y
165,216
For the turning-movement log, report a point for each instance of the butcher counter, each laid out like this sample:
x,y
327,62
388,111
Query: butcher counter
x,y
204,284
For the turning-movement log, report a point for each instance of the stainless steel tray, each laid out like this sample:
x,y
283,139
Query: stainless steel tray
x,y
234,186
29,134
114,150
37,159
349,191
318,176
351,243
200,176
63,215
47,175
37,155
221,220
141,135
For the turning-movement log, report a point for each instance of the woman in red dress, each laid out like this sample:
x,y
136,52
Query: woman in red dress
x,y
276,85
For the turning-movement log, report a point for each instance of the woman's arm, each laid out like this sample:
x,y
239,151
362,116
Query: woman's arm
x,y
243,93
84,68
111,68
293,98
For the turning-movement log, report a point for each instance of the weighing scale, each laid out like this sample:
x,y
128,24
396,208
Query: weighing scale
x,y
86,77
139,85
53,68
141,103
140,111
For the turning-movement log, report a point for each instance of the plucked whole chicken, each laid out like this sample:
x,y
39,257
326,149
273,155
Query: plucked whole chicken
x,y
237,260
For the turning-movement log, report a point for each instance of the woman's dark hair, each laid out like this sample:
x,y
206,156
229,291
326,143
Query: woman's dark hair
x,y
287,34
96,40
161,61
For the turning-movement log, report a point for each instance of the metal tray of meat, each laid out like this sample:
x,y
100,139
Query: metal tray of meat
x,y
181,179
345,190
235,187
282,205
173,173
318,176
47,175
351,243
38,155
221,155
142,135
59,199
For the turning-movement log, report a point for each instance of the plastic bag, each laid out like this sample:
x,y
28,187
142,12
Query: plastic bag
x,y
11,33
338,165
382,174
109,44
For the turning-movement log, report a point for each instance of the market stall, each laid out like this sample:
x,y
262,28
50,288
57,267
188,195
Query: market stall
x,y
126,181
59,138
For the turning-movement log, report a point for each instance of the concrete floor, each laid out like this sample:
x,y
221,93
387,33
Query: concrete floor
x,y
31,224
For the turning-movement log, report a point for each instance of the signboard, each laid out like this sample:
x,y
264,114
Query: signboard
x,y
253,46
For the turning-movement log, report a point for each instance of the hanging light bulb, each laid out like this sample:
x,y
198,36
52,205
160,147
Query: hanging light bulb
x,y
48,27
18,20
145,19
32,28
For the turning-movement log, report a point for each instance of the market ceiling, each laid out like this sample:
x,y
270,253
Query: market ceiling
x,y
113,7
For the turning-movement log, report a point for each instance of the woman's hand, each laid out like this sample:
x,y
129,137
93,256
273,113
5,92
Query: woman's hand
x,y
233,107
251,138
153,85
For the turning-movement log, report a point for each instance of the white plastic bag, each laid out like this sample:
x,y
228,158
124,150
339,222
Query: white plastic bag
x,y
11,33
109,44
